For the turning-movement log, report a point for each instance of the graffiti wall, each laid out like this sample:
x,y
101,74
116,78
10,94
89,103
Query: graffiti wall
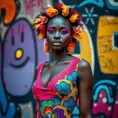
x,y
21,51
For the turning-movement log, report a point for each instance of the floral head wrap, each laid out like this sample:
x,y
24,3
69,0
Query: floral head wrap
x,y
50,12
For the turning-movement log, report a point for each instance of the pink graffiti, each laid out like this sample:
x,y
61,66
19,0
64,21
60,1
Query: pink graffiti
x,y
12,32
20,29
115,110
30,5
102,106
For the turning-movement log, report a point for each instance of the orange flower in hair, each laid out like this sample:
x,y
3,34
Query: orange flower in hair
x,y
50,11
43,19
65,10
74,17
41,33
40,25
37,26
40,21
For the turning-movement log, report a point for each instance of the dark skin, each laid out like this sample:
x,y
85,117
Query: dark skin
x,y
58,36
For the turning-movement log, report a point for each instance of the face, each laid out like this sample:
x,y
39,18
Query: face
x,y
58,33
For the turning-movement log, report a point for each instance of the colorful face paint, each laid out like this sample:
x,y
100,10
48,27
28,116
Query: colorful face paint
x,y
58,31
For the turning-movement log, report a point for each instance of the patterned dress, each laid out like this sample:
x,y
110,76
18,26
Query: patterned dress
x,y
59,97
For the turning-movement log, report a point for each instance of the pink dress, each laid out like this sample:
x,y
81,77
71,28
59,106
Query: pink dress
x,y
59,97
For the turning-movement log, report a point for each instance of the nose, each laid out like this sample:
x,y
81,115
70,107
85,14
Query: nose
x,y
56,36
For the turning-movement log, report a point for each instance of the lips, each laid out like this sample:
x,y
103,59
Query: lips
x,y
57,43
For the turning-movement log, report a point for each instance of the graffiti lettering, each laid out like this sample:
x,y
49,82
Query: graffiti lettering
x,y
29,6
106,51
109,22
105,45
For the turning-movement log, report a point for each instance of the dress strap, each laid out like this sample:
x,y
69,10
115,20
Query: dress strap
x,y
39,67
38,71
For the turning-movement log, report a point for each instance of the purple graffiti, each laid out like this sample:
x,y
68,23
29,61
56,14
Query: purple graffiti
x,y
41,56
19,59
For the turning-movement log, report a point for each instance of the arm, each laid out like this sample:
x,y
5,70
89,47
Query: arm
x,y
85,89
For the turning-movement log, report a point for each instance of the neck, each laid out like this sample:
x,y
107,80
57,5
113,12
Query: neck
x,y
57,55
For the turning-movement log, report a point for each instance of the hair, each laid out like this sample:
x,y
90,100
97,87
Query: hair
x,y
63,10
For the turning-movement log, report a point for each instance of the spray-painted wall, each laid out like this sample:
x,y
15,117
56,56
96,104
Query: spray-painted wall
x,y
21,51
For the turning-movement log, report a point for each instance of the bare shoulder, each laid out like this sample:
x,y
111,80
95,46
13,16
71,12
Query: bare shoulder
x,y
84,65
84,70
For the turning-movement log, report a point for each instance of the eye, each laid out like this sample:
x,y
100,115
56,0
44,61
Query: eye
x,y
64,31
51,31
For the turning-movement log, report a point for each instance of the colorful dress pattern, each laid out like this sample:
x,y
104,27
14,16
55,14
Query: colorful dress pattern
x,y
59,97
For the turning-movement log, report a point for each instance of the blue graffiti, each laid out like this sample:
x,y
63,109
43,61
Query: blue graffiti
x,y
105,82
103,87
7,109
112,5
10,112
99,3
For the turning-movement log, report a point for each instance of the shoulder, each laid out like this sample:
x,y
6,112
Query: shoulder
x,y
83,64
84,69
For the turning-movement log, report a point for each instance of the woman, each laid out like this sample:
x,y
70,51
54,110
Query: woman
x,y
64,79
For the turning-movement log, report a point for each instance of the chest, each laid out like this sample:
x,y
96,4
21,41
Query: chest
x,y
49,72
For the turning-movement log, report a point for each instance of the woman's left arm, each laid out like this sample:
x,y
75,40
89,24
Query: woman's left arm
x,y
85,89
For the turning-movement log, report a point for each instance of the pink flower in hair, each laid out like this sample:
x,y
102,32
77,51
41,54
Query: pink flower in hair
x,y
77,29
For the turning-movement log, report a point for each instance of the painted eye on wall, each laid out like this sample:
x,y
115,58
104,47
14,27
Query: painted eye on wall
x,y
19,54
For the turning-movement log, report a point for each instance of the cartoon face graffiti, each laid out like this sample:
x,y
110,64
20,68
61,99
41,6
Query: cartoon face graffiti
x,y
19,59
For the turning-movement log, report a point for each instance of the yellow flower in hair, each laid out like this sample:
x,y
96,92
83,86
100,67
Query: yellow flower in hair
x,y
50,11
65,10
37,25
36,21
41,19
41,34
73,17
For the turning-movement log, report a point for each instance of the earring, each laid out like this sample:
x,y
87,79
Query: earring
x,y
70,48
46,48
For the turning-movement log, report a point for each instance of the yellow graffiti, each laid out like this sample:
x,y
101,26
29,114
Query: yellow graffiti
x,y
86,48
107,52
10,10
19,54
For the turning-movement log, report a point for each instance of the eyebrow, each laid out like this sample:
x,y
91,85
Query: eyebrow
x,y
60,27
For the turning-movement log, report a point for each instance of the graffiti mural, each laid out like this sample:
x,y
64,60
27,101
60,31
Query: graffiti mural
x,y
101,19
21,51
